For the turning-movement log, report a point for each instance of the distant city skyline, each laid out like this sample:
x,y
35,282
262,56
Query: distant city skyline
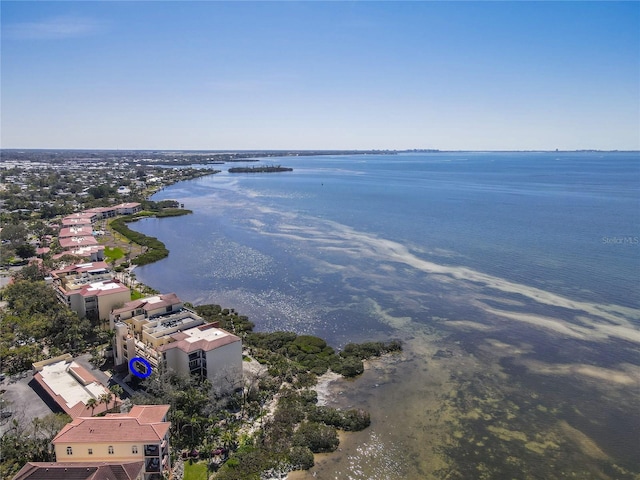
x,y
320,75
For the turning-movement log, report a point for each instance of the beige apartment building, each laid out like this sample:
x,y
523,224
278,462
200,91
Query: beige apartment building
x,y
163,332
140,435
89,289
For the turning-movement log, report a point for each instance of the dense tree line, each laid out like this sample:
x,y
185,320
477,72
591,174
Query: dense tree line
x,y
155,249
235,433
297,353
34,321
299,427
26,441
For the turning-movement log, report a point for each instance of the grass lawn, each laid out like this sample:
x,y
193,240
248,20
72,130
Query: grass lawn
x,y
112,253
195,471
135,295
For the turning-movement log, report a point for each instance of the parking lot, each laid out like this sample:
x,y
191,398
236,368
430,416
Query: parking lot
x,y
25,399
22,401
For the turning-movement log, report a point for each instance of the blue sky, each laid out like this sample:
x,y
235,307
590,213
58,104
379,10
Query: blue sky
x,y
320,75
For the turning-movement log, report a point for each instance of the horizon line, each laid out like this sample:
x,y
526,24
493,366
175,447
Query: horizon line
x,y
252,150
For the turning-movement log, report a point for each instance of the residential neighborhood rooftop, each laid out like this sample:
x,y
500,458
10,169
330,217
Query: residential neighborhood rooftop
x,y
80,471
149,303
144,424
79,241
103,287
205,337
81,268
70,385
75,231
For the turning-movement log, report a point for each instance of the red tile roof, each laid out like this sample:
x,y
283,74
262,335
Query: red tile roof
x,y
100,210
149,413
78,216
82,373
165,300
127,205
80,471
81,231
138,425
82,267
79,241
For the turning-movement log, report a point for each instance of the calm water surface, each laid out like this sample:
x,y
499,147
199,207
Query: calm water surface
x,y
512,279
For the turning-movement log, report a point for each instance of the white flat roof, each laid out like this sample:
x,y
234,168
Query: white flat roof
x,y
211,333
103,286
63,383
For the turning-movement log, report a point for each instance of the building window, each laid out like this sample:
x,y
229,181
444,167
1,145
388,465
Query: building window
x,y
110,450
91,451
69,451
134,449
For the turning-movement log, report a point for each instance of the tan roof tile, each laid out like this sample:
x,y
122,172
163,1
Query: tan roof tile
x,y
140,424
80,471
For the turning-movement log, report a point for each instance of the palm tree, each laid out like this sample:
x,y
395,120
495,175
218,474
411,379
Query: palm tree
x,y
177,419
117,392
106,398
92,403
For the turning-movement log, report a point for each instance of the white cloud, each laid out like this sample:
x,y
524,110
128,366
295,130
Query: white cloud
x,y
66,26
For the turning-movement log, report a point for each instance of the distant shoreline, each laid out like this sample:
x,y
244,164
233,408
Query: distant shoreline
x,y
260,169
242,155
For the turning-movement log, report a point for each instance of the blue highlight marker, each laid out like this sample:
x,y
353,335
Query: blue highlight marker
x,y
133,367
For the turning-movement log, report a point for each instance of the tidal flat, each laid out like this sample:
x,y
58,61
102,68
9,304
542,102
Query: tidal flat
x,y
480,413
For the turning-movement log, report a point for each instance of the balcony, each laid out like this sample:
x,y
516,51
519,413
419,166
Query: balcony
x,y
152,465
151,451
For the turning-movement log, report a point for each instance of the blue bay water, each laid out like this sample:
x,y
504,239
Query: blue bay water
x,y
565,221
536,247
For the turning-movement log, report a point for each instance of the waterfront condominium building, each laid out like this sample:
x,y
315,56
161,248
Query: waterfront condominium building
x,y
163,332
140,435
89,289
